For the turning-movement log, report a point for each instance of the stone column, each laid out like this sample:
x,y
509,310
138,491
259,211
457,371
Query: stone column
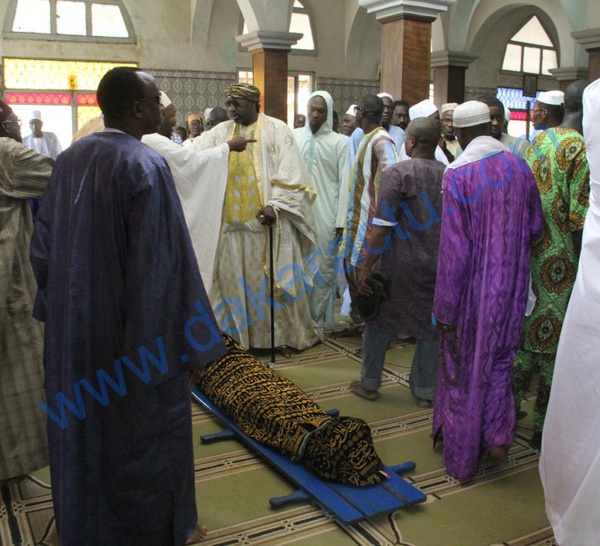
x,y
590,41
269,51
406,44
449,69
568,75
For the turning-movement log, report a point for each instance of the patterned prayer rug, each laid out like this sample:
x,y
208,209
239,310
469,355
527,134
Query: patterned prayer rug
x,y
501,506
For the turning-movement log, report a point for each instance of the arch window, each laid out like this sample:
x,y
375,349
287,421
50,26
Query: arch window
x,y
530,50
79,20
301,23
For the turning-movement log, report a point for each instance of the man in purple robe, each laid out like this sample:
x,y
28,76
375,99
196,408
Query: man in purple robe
x,y
127,320
492,211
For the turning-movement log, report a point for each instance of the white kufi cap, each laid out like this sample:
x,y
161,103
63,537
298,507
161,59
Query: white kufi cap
x,y
350,111
471,113
381,95
164,100
36,114
555,97
422,109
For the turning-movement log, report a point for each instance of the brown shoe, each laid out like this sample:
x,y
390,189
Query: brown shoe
x,y
359,390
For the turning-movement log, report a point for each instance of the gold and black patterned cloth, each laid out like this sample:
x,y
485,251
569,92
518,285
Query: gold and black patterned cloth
x,y
270,409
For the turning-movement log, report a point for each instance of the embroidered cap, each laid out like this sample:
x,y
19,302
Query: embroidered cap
x,y
471,113
448,107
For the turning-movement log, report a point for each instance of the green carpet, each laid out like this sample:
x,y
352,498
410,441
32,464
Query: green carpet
x,y
503,506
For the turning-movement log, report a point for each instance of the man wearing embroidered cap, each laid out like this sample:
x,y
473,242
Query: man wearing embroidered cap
x,y
491,213
194,127
267,184
448,142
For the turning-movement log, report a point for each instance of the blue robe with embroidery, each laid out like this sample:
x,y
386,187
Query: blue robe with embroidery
x,y
127,319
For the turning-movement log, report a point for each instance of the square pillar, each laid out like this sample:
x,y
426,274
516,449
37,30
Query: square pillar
x,y
406,44
590,41
270,68
449,68
568,75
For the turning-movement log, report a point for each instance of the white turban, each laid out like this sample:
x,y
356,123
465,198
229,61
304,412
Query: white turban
x,y
422,109
555,97
471,113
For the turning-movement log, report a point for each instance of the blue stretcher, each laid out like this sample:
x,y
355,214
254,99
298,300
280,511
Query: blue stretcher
x,y
347,503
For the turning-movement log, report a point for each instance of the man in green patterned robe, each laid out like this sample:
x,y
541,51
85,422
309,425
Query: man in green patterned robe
x,y
559,163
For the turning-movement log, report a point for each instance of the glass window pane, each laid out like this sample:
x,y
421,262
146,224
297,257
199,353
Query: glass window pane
x,y
304,91
246,76
533,33
291,100
301,23
531,59
70,18
549,61
107,20
512,58
24,22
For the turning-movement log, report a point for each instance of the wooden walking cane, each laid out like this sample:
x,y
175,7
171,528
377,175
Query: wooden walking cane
x,y
272,287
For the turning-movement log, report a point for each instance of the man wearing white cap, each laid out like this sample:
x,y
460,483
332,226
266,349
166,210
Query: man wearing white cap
x,y
394,131
45,143
559,163
424,109
548,110
569,463
349,121
492,212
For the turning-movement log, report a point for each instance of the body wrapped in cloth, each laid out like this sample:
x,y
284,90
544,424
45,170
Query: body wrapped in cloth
x,y
270,409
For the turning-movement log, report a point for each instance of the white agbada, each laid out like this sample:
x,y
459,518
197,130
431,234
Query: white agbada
x,y
570,460
240,290
328,163
200,180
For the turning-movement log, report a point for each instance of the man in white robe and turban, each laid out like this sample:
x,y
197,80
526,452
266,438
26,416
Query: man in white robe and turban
x,y
267,185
